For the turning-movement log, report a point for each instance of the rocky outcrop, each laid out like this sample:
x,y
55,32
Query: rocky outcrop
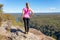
x,y
17,33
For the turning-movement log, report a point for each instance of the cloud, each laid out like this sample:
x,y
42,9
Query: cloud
x,y
36,10
52,9
45,10
15,10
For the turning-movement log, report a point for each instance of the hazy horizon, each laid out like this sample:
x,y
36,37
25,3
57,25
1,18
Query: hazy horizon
x,y
49,12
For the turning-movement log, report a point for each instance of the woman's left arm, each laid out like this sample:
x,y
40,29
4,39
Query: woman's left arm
x,y
32,11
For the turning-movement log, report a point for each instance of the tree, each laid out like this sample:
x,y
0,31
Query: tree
x,y
1,5
1,11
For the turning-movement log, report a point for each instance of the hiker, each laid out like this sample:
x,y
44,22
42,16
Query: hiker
x,y
26,14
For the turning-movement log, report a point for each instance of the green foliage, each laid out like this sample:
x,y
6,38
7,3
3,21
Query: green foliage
x,y
8,16
1,11
1,5
47,24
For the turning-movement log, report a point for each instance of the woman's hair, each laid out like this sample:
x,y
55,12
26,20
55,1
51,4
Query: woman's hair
x,y
27,4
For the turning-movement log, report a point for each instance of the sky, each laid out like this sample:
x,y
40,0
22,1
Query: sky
x,y
38,6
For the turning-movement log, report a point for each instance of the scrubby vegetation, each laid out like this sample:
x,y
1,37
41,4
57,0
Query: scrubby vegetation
x,y
6,17
47,24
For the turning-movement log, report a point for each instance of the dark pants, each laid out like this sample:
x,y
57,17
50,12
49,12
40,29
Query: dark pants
x,y
26,24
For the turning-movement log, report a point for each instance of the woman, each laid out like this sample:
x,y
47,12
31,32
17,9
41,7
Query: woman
x,y
26,17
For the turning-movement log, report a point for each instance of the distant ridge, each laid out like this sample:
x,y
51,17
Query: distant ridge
x,y
55,13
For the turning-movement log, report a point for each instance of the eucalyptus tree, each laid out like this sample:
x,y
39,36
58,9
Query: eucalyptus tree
x,y
1,11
